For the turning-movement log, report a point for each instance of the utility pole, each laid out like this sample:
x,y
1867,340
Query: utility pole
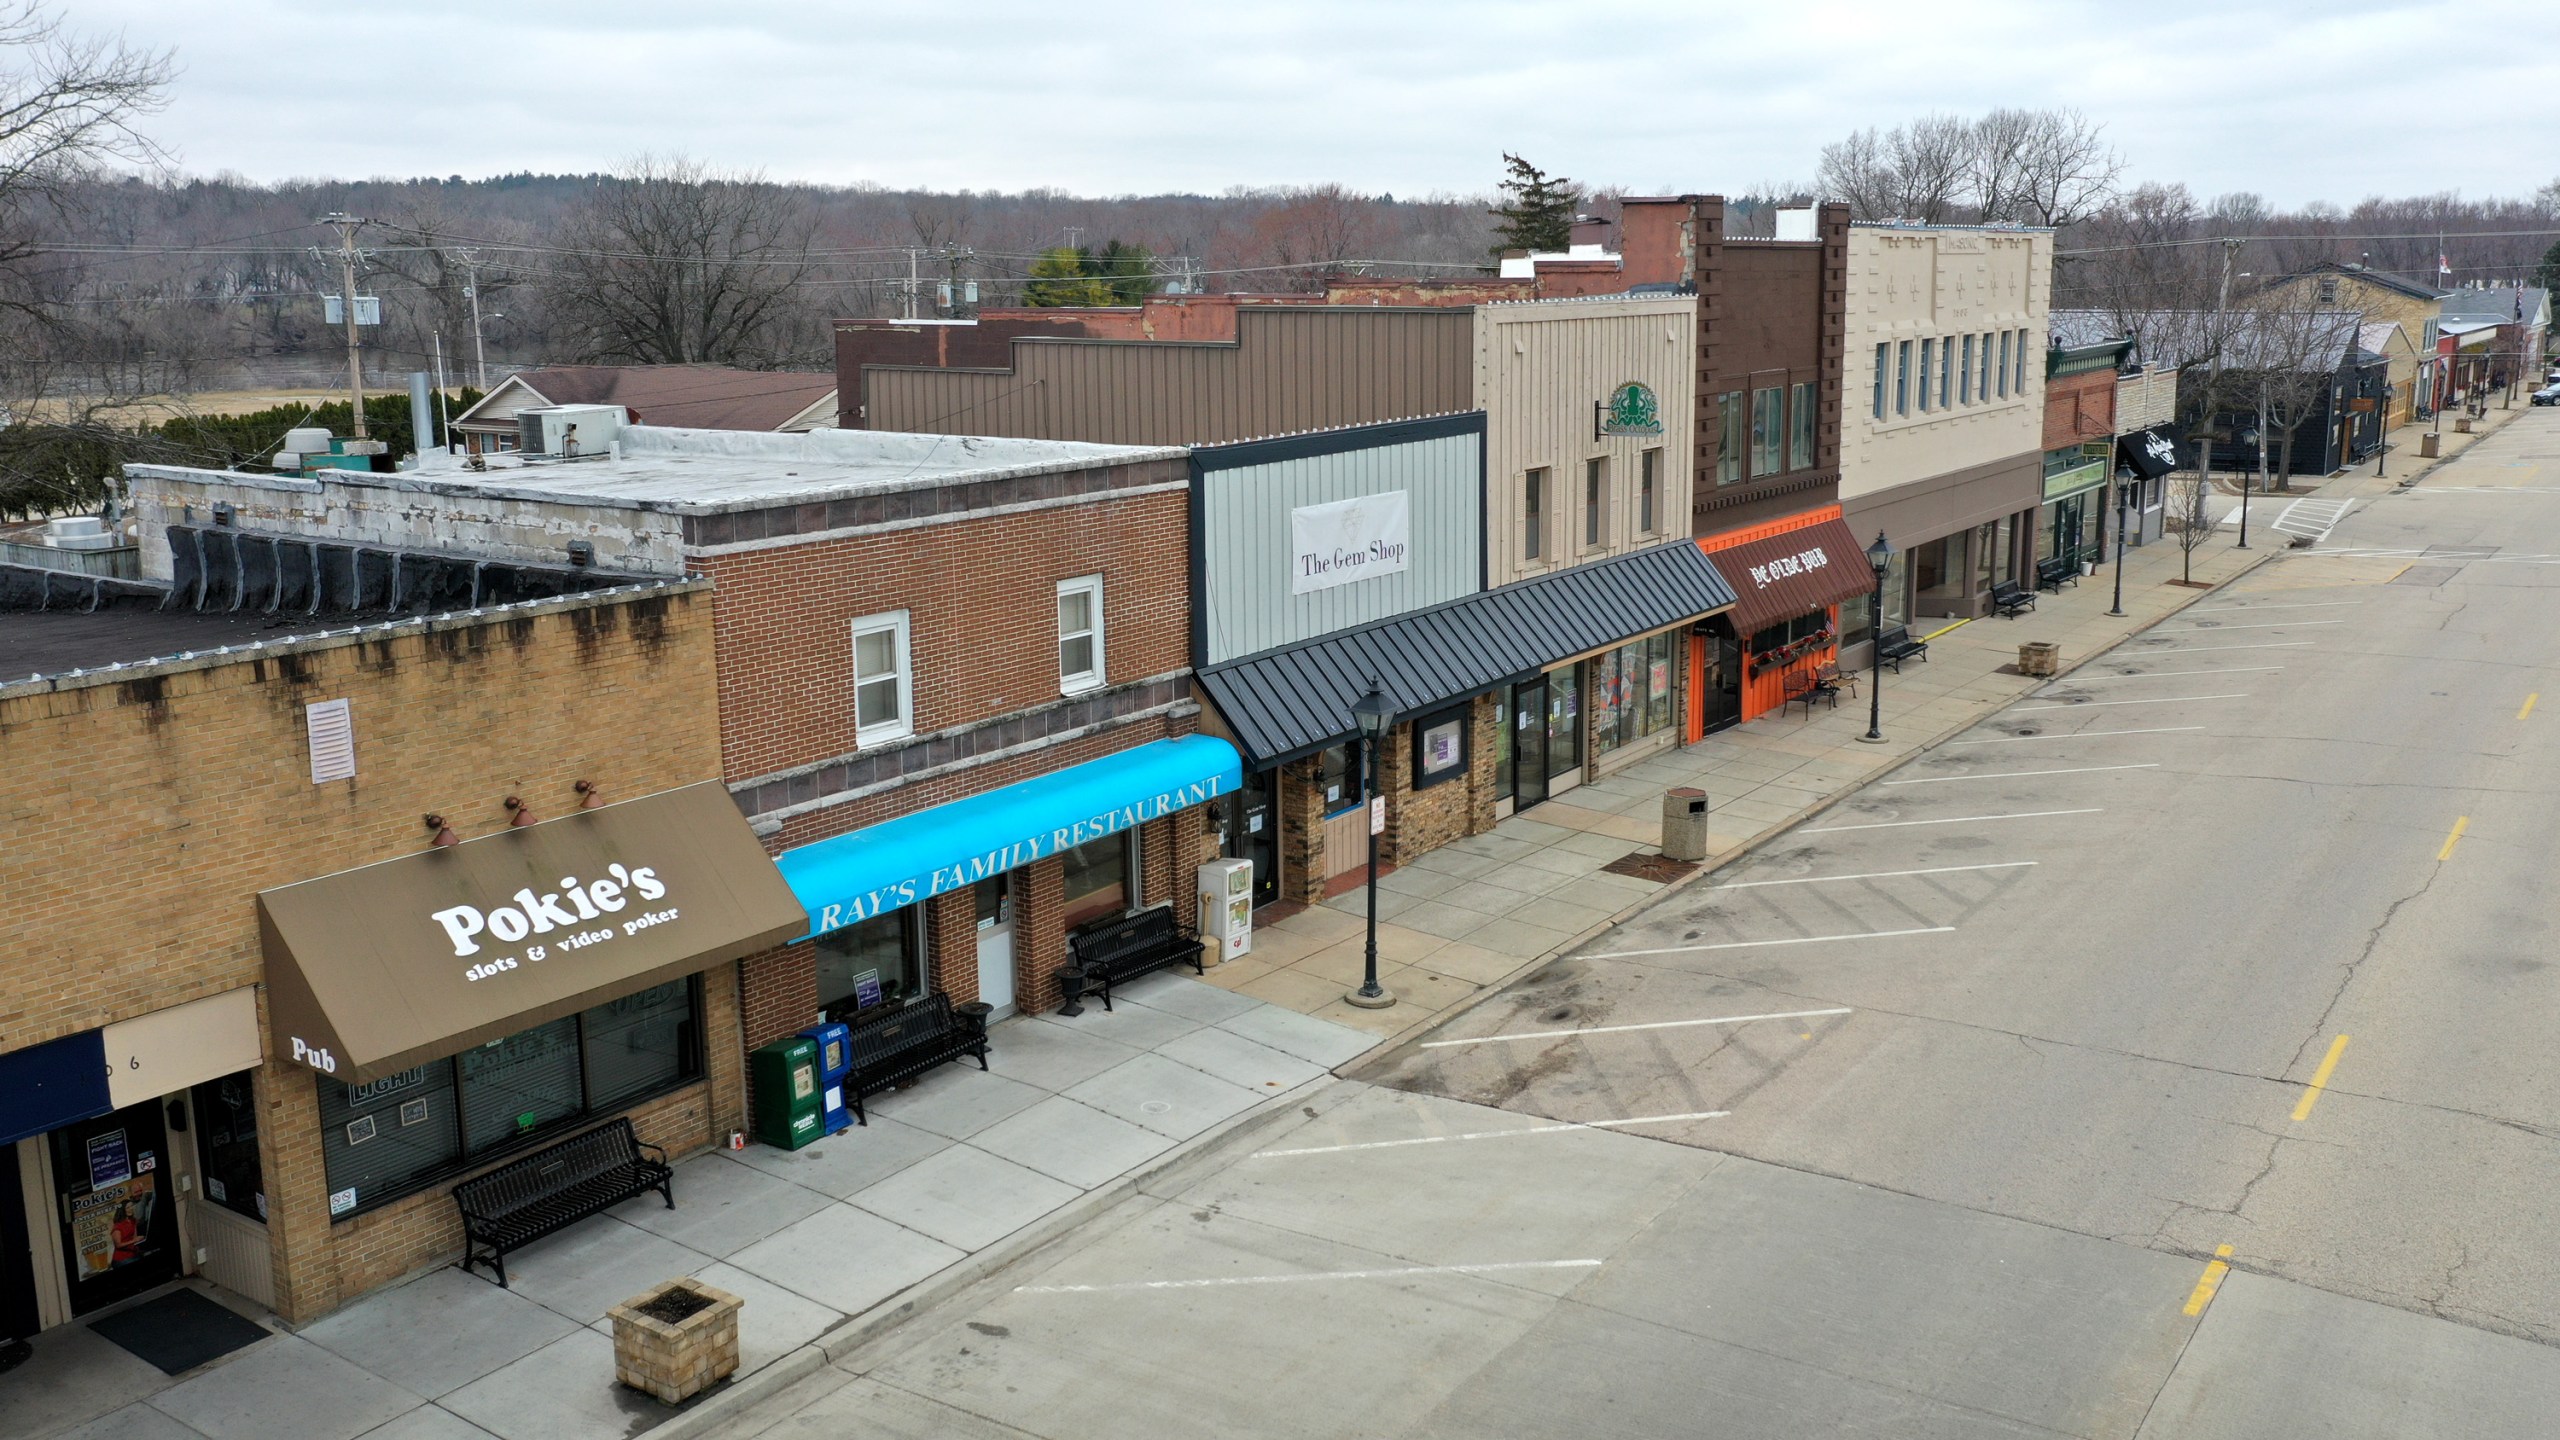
x,y
2213,384
346,226
471,291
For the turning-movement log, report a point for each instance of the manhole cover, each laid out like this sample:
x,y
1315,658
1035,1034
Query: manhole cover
x,y
1156,1107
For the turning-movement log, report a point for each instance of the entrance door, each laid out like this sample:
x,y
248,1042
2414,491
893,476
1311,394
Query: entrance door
x,y
119,1229
995,943
1564,729
226,1218
1249,829
18,1317
1722,682
1529,743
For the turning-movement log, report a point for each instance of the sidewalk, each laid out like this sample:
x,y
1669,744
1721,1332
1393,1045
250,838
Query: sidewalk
x,y
962,1163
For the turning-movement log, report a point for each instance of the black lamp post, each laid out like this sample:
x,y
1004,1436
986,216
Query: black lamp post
x,y
1375,713
2124,526
1879,559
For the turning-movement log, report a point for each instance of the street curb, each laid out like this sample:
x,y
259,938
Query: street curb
x,y
855,1332
1394,1046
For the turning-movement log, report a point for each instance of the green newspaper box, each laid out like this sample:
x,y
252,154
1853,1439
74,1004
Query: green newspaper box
x,y
790,1112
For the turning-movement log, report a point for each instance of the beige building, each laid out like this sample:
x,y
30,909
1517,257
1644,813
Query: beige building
x,y
1590,413
2390,340
1942,430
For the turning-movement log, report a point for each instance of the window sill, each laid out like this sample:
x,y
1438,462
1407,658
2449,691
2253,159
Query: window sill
x,y
1080,685
881,735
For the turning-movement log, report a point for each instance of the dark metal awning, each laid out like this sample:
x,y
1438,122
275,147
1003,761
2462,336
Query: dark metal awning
x,y
1794,572
1296,700
2152,453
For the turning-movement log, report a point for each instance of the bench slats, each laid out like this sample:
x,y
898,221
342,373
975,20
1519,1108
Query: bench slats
x,y
891,1046
556,1187
1123,950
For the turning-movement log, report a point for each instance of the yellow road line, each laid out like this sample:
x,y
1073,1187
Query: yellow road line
x,y
2214,1270
2460,824
2319,1079
1934,634
2528,704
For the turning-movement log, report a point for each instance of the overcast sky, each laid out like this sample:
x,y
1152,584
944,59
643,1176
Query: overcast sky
x,y
2297,99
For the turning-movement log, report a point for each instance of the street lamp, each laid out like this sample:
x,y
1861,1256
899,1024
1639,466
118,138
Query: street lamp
x,y
2250,436
2124,525
1879,559
1375,713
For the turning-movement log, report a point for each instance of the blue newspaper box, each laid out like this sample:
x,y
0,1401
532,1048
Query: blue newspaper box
x,y
835,1059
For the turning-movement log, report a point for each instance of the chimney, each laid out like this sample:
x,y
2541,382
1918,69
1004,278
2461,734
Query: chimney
x,y
1590,230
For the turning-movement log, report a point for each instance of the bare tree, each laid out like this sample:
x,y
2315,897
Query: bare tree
x,y
68,104
2190,518
1998,161
1859,170
2034,167
672,263
1932,163
2289,351
2066,170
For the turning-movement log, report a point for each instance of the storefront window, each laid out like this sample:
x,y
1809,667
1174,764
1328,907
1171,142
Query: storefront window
x,y
2004,549
1730,428
515,1086
639,1043
1937,572
1768,426
1631,692
1801,415
1097,878
1338,772
387,1137
1897,590
1857,619
1440,747
226,1121
1504,785
1564,721
879,961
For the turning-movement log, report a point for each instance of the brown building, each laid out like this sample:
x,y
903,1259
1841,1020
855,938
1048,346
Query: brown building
x,y
225,1052
2080,386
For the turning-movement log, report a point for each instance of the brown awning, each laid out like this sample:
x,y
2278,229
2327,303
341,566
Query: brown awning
x,y
372,971
1792,573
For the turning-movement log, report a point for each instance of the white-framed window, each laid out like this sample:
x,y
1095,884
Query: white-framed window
x,y
1595,503
883,680
1883,350
1079,634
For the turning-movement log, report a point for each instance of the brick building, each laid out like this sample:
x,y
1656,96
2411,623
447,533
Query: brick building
x,y
174,775
2079,450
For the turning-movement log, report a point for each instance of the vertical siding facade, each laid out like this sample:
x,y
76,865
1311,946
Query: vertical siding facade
x,y
1243,542
1540,369
1290,368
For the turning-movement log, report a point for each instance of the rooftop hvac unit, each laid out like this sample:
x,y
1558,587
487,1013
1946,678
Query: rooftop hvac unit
x,y
568,430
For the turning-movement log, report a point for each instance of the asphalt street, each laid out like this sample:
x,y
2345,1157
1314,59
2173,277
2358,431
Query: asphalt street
x,y
2170,1055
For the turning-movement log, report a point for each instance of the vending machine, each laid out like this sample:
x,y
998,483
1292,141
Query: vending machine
x,y
835,1058
1226,907
789,1111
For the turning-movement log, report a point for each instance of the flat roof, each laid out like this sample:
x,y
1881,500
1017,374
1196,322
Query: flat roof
x,y
709,472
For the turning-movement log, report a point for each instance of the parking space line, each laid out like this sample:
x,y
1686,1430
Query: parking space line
x,y
2460,824
1399,1271
1792,940
1873,875
2023,774
1623,1029
2076,735
2214,1270
1951,820
2270,625
2259,645
2528,704
1556,1129
2096,704
2319,1080
2160,674
2290,605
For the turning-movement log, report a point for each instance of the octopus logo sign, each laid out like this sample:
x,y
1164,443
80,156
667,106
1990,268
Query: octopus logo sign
x,y
1632,410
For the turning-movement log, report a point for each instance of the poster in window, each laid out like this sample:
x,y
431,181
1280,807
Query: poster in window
x,y
1440,748
866,989
110,1161
413,1112
111,1226
360,1129
1661,678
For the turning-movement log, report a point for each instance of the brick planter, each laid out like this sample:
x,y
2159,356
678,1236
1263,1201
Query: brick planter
x,y
674,1360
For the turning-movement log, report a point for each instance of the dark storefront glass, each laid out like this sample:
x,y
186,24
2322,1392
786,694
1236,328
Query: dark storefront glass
x,y
1338,772
1731,430
391,1137
1564,721
226,1121
1768,429
1097,877
1631,693
1801,415
879,961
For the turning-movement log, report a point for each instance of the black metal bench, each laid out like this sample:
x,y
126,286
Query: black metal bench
x,y
2057,572
556,1187
1896,645
1807,689
1118,951
2010,598
892,1046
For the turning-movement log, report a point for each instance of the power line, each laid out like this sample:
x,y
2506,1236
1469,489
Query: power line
x,y
2317,238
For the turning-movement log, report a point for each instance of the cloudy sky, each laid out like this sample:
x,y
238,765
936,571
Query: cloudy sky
x,y
2297,99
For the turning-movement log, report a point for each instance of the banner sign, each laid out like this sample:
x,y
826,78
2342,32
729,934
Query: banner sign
x,y
1349,540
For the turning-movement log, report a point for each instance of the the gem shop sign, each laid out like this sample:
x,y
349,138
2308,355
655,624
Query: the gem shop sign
x,y
1631,410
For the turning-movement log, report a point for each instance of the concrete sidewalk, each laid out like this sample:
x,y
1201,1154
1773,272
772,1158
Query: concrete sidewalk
x,y
945,1171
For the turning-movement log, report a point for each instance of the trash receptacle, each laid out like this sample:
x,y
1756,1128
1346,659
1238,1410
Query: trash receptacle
x,y
790,1112
1684,824
2430,445
2039,657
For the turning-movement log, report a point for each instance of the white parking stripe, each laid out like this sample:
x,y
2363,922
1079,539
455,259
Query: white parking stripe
x,y
2162,674
1876,874
1601,1030
1799,939
2253,645
2075,735
1318,1275
1507,1134
2023,774
1953,820
2306,605
2270,625
2103,704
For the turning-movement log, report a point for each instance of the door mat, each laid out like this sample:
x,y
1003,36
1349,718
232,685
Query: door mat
x,y
180,1331
1646,865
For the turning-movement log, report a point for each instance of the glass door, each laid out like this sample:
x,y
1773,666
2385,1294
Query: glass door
x,y
1722,684
119,1230
1564,729
18,1317
994,901
1529,742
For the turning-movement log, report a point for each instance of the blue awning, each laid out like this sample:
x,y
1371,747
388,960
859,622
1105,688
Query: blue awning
x,y
50,1085
932,852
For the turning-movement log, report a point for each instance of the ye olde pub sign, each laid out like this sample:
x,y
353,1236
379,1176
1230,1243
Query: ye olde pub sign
x,y
1631,409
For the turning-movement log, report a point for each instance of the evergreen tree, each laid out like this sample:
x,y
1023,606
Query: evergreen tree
x,y
1537,210
1128,271
1064,276
2548,277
